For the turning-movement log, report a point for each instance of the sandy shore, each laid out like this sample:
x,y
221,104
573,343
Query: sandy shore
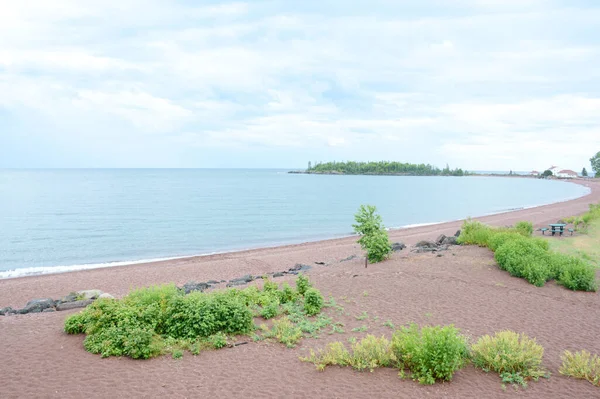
x,y
464,288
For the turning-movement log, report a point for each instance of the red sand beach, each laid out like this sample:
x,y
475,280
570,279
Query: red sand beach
x,y
464,288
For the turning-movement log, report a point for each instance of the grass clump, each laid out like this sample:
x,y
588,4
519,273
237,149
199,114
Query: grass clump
x,y
515,357
581,365
430,353
285,332
161,319
369,353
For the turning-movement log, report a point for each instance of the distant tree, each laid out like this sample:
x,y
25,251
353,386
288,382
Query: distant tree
x,y
309,165
547,173
595,161
510,173
584,172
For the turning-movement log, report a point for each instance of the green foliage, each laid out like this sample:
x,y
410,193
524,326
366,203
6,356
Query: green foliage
x,y
581,365
584,172
595,161
302,284
515,357
527,260
575,273
374,238
313,301
285,332
383,168
496,240
362,328
157,320
369,353
177,354
430,353
525,228
547,173
474,232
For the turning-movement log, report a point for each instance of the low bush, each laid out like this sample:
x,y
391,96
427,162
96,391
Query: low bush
x,y
430,353
313,302
496,240
524,228
523,258
285,332
581,365
475,233
157,320
369,353
515,357
302,284
575,273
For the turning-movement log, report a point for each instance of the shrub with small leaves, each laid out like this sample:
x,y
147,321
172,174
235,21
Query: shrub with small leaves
x,y
218,340
287,294
515,357
581,365
525,228
270,309
574,273
302,284
430,353
313,301
285,331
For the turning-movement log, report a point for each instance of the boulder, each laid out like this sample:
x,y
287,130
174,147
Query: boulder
x,y
278,274
426,244
349,258
37,305
234,283
398,246
192,286
299,267
48,310
320,263
106,296
88,294
244,279
213,282
440,239
74,305
450,241
72,297
6,311
457,233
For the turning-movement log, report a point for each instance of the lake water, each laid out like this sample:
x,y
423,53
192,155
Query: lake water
x,y
58,220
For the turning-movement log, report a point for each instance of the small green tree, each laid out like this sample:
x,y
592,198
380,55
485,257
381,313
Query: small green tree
x,y
374,238
584,172
595,161
547,173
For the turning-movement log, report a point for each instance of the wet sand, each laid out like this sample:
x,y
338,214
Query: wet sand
x,y
463,287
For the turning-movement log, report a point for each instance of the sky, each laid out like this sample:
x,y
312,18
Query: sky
x,y
477,84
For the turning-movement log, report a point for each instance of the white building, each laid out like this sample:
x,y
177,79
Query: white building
x,y
567,174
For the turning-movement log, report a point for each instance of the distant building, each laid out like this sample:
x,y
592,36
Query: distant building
x,y
567,174
534,173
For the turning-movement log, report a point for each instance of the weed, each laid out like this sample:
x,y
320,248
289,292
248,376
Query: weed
x,y
362,328
177,354
285,332
581,365
389,324
362,316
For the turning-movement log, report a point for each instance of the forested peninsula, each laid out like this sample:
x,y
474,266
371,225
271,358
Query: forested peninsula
x,y
380,168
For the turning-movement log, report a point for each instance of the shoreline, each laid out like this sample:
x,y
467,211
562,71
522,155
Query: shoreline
x,y
62,269
16,291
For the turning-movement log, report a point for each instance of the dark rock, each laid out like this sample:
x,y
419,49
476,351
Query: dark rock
x,y
236,283
212,282
74,305
72,297
48,310
245,279
223,281
439,255
299,267
356,275
398,246
450,241
294,272
457,233
425,244
278,274
192,286
440,239
319,263
6,311
348,258
37,305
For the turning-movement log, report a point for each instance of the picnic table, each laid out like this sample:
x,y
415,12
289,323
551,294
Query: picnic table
x,y
557,228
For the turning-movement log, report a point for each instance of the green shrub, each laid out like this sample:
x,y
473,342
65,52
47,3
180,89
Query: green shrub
x,y
218,340
474,233
524,228
201,315
177,354
515,357
369,353
575,273
430,353
271,309
496,240
374,238
287,294
285,332
270,286
523,258
302,284
313,301
581,365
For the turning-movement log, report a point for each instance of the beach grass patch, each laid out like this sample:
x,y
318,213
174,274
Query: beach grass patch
x,y
431,353
515,357
582,365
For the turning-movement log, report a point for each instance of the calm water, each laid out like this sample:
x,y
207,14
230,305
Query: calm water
x,y
50,219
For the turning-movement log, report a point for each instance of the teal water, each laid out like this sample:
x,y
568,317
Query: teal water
x,y
57,220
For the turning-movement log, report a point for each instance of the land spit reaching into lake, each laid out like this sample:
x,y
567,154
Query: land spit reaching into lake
x,y
463,287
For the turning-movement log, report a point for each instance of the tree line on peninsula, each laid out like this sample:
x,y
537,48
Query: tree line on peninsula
x,y
382,168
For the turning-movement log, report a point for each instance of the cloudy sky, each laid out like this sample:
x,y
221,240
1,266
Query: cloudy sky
x,y
478,84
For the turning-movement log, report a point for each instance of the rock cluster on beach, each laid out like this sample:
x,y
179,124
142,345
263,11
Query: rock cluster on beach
x,y
442,243
74,300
